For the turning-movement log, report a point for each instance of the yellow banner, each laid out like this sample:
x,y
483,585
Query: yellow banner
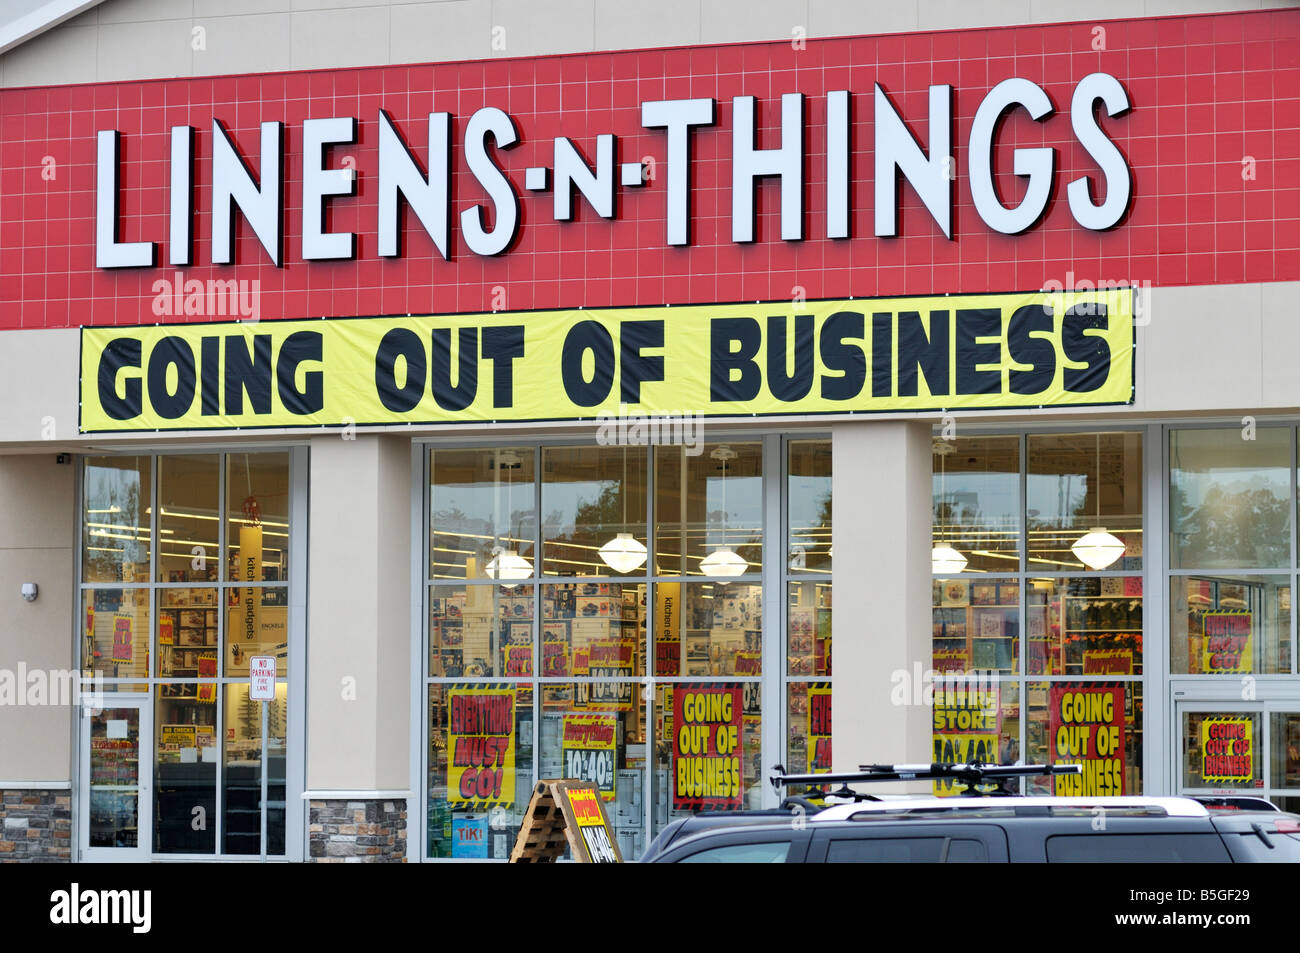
x,y
1027,349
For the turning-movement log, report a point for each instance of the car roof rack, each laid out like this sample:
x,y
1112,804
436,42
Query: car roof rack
x,y
974,775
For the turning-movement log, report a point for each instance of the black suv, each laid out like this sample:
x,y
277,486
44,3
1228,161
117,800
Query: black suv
x,y
980,828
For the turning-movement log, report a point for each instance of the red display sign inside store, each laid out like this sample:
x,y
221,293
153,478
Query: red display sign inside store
x,y
1208,144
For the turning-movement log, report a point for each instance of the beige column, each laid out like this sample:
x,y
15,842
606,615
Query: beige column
x,y
36,638
881,536
358,614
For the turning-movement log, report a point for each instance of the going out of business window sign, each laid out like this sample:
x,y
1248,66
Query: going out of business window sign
x,y
1028,349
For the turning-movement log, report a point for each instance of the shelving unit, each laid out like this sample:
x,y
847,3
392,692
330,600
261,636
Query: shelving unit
x,y
975,626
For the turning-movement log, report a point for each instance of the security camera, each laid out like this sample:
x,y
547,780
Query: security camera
x,y
30,590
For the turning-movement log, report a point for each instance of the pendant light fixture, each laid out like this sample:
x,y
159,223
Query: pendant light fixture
x,y
506,563
944,560
723,561
624,552
1097,548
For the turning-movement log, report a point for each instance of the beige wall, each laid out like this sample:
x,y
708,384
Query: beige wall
x,y
36,545
881,485
359,614
138,39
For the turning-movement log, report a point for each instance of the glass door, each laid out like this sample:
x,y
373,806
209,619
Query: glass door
x,y
116,772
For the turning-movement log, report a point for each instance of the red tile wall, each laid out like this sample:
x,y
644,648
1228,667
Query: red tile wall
x,y
1210,93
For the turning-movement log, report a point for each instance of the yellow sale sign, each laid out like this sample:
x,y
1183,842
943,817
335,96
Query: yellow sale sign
x,y
1025,349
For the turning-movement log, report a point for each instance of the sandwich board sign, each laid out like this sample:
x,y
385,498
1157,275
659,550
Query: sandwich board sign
x,y
261,678
566,813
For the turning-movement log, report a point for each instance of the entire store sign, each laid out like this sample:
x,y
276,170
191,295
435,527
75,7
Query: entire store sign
x,y
967,720
1030,349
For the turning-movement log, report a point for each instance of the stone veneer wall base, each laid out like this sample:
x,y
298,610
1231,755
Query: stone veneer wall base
x,y
357,832
35,825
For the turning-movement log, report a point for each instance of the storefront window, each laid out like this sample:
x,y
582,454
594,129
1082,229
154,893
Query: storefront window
x,y
188,498
257,517
483,506
709,755
1230,499
976,624
188,644
1222,749
1230,625
594,511
243,762
1079,482
1085,625
717,631
115,633
997,626
975,719
166,629
480,764
808,607
977,501
477,631
185,768
808,491
808,727
561,658
590,734
116,522
709,509
1285,730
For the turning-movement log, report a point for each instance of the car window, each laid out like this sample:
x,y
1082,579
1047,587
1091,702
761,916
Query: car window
x,y
771,853
1247,845
1106,848
906,850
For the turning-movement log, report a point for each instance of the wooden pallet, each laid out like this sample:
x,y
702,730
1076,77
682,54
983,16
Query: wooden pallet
x,y
550,825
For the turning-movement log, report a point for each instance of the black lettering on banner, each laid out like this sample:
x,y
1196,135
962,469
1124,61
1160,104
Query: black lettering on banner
x,y
636,368
400,342
298,347
583,337
796,385
1092,349
928,352
1029,350
846,358
501,345
171,350
724,359
120,353
973,323
245,372
210,377
462,395
882,354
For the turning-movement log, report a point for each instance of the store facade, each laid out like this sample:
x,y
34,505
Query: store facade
x,y
522,414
